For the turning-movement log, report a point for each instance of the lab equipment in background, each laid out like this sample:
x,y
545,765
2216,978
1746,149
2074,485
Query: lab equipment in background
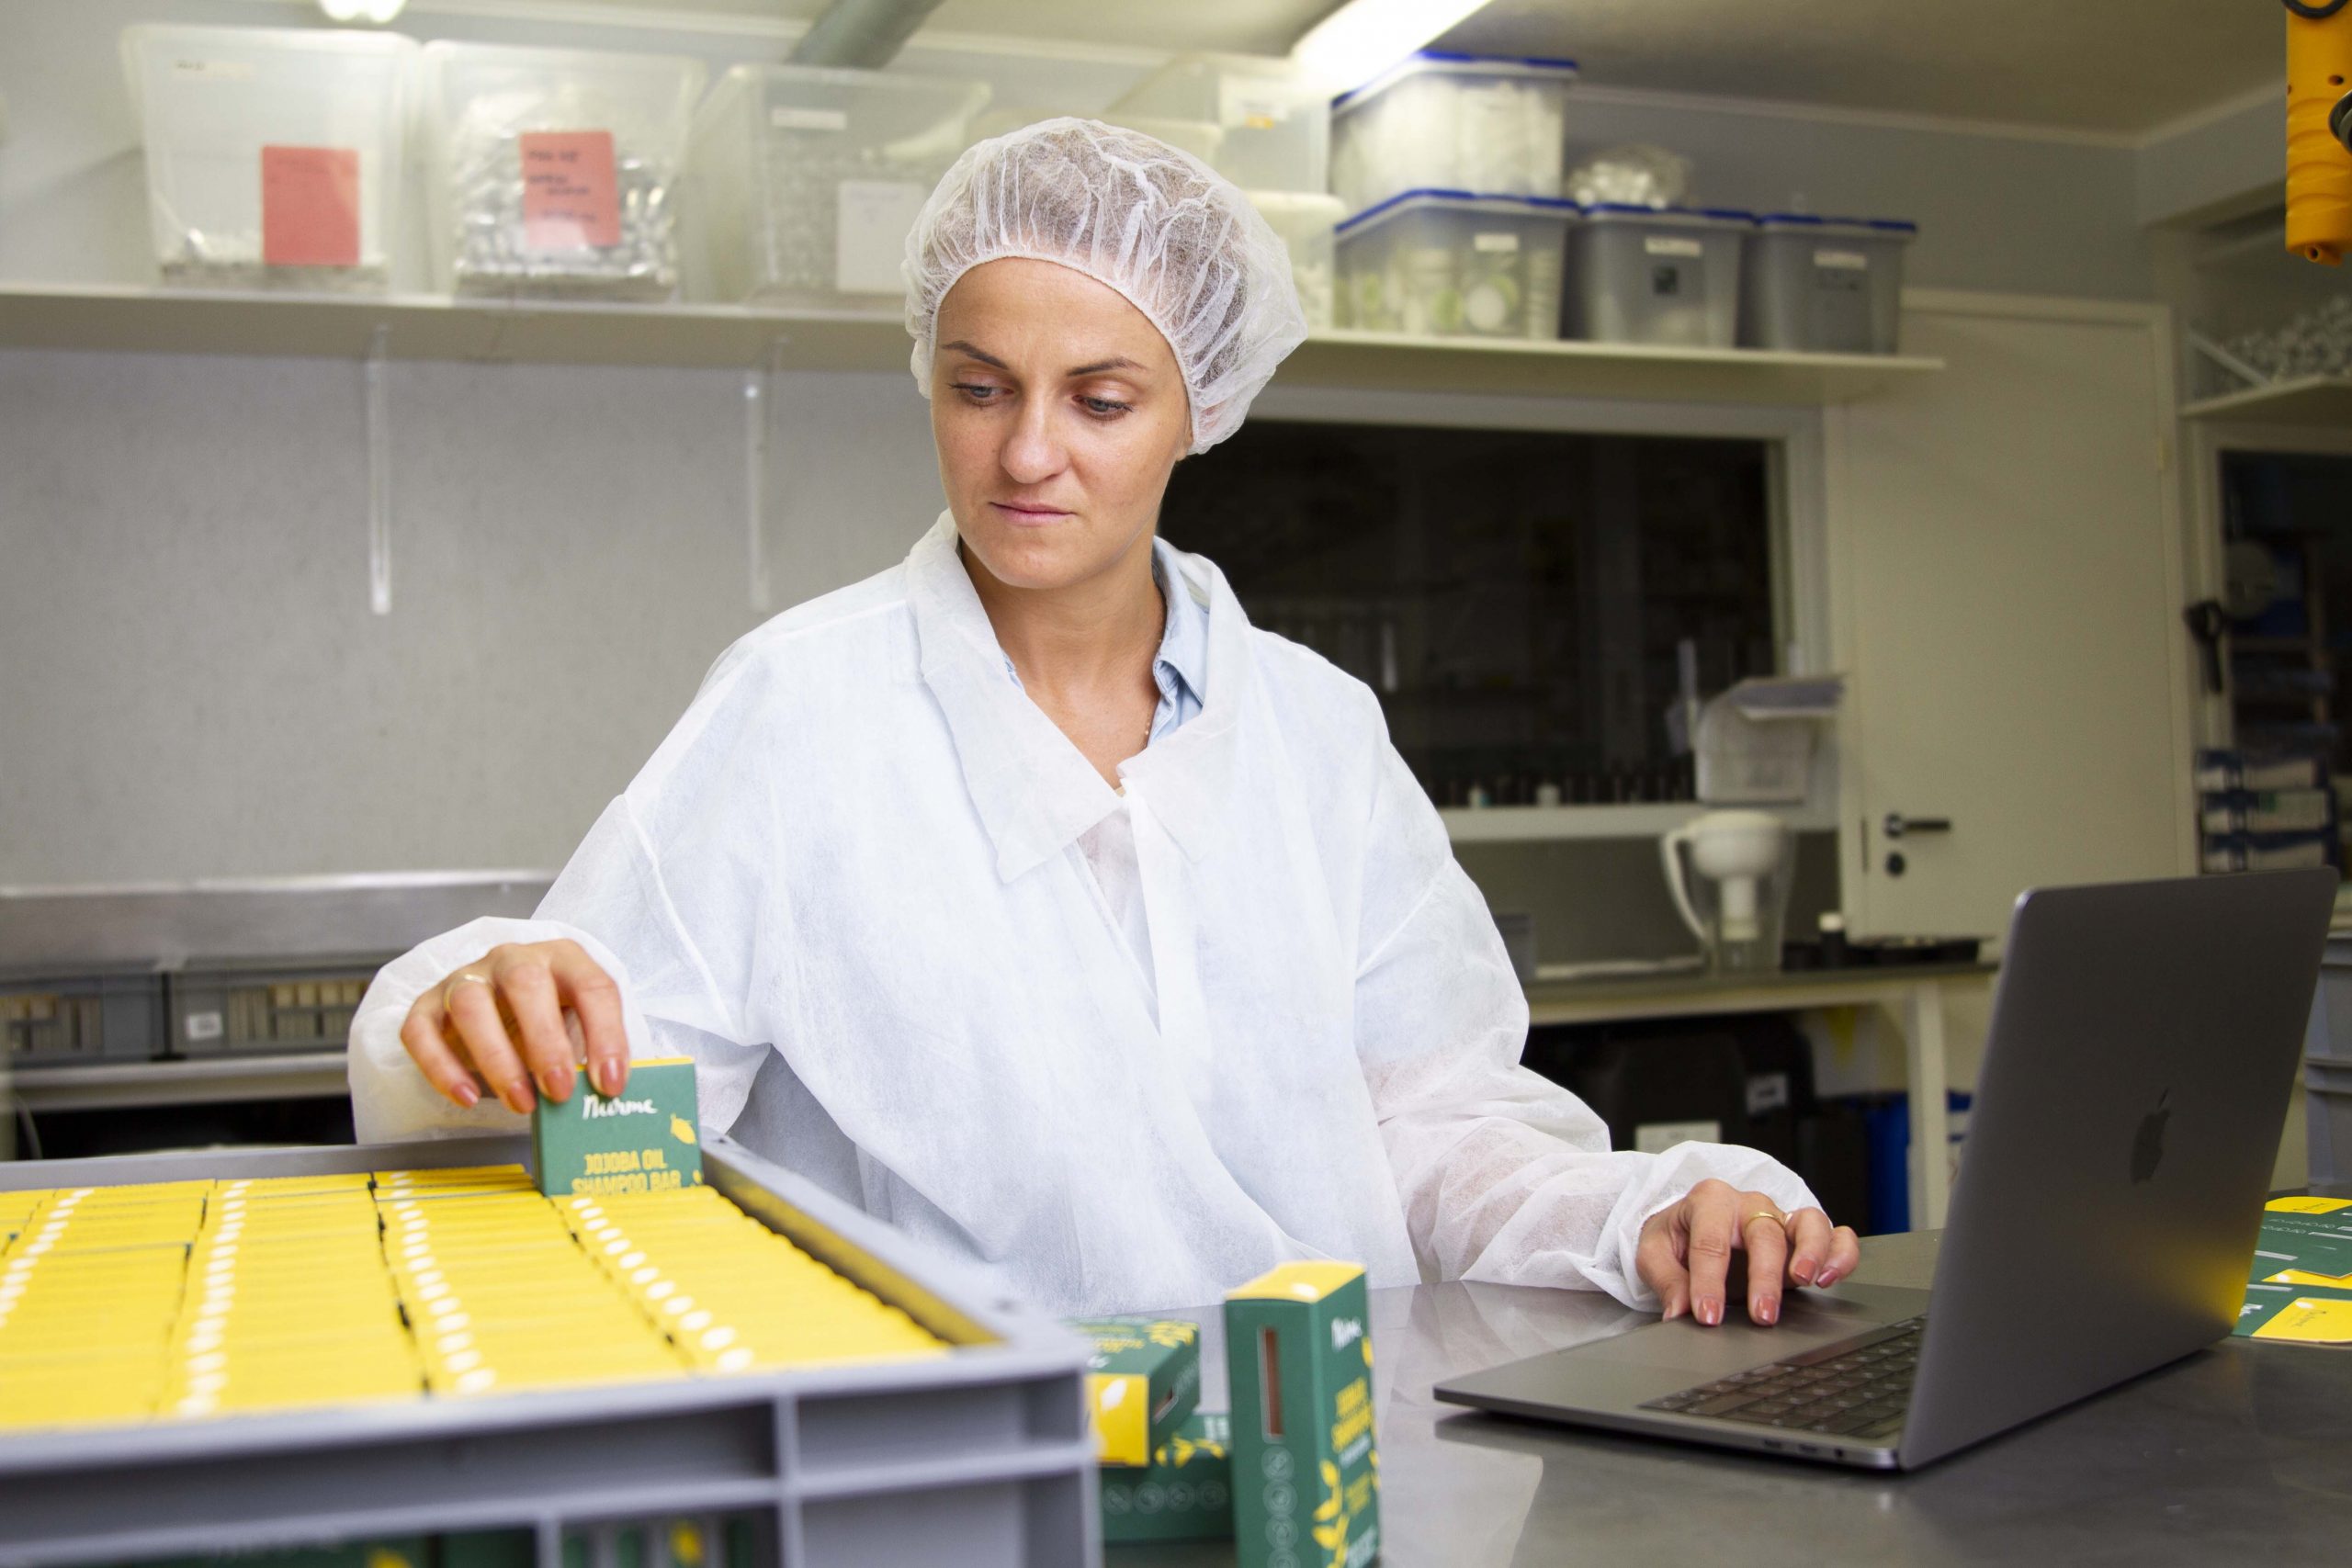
x,y
1665,277
235,1007
2327,1066
806,180
1276,125
1756,741
1444,265
2258,812
1825,285
274,155
1517,931
1730,872
555,171
1454,122
1637,175
1306,221
99,1012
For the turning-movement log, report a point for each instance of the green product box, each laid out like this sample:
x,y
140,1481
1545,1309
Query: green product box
x,y
1306,1470
1143,1380
642,1140
1185,1493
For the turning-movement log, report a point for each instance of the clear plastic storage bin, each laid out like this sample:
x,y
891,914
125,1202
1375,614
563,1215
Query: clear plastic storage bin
x,y
555,171
1444,264
274,155
1826,284
806,179
1453,122
1658,275
1277,128
1307,222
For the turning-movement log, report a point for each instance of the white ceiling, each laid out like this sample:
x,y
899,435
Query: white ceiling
x,y
2117,66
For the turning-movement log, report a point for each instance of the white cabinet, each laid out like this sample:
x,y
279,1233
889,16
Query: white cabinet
x,y
2006,583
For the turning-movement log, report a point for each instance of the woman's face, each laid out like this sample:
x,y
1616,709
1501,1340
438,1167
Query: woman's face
x,y
1058,413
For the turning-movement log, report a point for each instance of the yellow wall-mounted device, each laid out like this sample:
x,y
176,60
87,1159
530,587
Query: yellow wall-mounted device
x,y
2319,129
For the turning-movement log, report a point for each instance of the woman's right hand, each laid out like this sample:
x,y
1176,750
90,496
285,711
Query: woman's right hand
x,y
522,1012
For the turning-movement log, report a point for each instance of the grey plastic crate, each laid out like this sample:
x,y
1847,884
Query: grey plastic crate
x,y
976,1458
2327,1090
237,1006
110,1012
1825,285
2329,1038
1666,278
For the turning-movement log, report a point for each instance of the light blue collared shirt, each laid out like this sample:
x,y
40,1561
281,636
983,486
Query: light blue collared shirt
x,y
1179,668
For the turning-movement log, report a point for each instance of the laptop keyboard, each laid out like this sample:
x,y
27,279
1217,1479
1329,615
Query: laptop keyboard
x,y
1858,1392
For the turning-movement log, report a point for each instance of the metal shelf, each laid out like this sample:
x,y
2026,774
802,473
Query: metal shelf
x,y
1524,824
122,317
310,1075
2308,400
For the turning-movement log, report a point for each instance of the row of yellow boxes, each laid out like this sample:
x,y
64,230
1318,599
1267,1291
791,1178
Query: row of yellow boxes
x,y
200,1298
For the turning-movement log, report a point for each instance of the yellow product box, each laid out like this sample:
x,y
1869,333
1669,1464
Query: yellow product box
x,y
281,1186
446,1174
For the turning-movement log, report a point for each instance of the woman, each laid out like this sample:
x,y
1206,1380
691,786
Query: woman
x,y
1029,898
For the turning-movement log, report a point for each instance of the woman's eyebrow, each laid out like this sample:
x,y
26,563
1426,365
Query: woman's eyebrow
x,y
1116,362
960,346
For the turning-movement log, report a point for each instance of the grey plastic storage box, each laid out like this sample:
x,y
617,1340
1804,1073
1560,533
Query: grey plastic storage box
x,y
1825,285
1308,222
236,1006
980,1456
1665,277
1442,121
2327,1090
1447,264
2329,1039
105,1012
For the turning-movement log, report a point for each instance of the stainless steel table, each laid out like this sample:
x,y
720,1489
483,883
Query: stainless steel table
x,y
2239,1454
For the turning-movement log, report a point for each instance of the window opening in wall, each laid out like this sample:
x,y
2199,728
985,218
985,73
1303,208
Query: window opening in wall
x,y
1516,598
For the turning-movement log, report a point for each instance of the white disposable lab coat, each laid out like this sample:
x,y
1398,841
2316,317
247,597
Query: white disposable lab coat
x,y
851,885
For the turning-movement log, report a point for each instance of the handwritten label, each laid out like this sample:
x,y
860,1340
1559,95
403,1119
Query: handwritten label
x,y
1672,246
571,196
1501,243
309,206
874,216
1842,261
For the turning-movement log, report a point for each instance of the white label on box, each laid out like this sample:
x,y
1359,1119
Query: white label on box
x,y
1255,107
1844,261
1672,246
874,216
1494,241
1656,1137
215,70
789,117
204,1026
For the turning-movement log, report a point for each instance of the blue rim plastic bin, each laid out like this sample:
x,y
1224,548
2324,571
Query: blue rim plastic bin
x,y
1826,284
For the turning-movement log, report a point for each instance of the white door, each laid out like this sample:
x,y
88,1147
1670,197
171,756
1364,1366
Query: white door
x,y
2006,591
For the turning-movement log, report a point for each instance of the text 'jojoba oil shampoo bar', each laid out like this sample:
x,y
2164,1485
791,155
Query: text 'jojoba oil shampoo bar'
x,y
640,1140
1305,1472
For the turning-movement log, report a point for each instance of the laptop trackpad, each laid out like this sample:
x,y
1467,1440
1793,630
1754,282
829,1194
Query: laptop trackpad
x,y
1808,1320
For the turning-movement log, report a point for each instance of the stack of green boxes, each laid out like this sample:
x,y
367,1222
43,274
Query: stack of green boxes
x,y
1293,1474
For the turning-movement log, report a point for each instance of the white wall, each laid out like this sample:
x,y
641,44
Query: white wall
x,y
190,682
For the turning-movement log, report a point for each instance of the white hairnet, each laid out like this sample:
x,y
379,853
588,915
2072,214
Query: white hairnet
x,y
1172,235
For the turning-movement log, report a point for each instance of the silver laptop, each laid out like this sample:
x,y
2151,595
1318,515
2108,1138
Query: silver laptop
x,y
2144,1040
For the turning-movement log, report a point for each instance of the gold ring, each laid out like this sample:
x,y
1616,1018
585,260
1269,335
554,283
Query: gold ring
x,y
449,987
1778,1219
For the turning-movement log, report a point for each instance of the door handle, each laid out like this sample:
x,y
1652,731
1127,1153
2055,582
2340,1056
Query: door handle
x,y
1897,825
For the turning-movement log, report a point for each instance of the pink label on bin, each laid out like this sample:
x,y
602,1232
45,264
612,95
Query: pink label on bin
x,y
309,206
571,196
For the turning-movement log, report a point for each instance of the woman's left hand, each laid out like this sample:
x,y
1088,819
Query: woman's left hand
x,y
1685,1251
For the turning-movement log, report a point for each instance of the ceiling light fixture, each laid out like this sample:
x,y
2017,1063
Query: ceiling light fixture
x,y
376,11
1364,37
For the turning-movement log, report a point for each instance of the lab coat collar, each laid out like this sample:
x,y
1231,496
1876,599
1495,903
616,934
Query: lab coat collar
x,y
1033,791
